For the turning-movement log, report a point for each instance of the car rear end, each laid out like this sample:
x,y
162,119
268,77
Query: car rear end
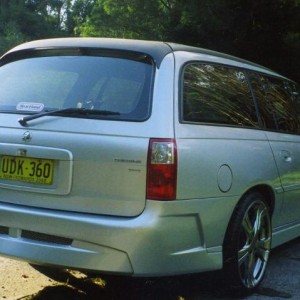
x,y
89,162
76,121
87,148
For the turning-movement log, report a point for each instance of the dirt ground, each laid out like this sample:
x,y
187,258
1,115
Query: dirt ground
x,y
21,281
22,277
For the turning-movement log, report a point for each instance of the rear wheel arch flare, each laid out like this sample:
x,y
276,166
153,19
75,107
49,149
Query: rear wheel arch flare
x,y
265,191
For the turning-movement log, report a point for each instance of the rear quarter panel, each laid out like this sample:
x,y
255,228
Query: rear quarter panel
x,y
221,162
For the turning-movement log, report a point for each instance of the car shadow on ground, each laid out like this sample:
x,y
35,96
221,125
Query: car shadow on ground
x,y
205,286
106,287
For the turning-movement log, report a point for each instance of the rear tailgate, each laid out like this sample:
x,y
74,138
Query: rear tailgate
x,y
94,173
92,159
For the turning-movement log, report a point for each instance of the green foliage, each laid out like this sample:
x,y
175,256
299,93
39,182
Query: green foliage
x,y
10,36
253,29
10,33
77,14
124,18
23,20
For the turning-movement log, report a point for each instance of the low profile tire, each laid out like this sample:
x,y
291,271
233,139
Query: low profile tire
x,y
247,243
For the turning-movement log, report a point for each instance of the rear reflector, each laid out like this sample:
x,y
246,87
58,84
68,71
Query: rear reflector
x,y
162,169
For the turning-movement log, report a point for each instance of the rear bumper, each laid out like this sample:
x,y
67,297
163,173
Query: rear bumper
x,y
167,238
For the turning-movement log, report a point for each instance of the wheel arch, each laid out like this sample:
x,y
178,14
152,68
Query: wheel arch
x,y
235,270
268,195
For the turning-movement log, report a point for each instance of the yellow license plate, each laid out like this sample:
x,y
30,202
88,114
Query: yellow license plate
x,y
27,169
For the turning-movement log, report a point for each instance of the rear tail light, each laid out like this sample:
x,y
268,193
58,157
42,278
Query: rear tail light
x,y
162,169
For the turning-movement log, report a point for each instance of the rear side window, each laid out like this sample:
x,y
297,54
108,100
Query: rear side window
x,y
295,91
217,94
277,103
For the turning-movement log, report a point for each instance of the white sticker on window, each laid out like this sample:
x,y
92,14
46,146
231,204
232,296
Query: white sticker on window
x,y
30,106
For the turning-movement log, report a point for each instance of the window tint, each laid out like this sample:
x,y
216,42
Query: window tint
x,y
48,87
295,91
37,84
275,103
217,94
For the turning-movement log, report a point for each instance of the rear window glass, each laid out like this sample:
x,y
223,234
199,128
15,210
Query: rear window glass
x,y
217,94
37,84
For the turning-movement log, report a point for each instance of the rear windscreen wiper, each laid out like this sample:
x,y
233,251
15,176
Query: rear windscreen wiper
x,y
67,111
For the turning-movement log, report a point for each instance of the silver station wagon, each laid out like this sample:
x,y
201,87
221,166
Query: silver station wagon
x,y
146,159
